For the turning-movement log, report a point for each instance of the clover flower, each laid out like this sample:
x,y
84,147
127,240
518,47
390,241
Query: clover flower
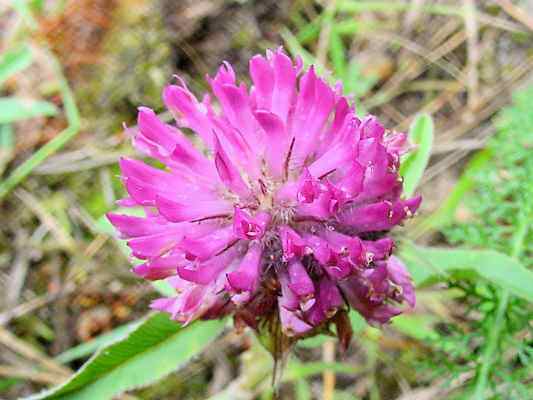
x,y
280,219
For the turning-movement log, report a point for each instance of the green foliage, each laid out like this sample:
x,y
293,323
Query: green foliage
x,y
7,145
412,168
14,61
430,265
343,66
104,340
497,213
153,350
15,109
502,199
445,214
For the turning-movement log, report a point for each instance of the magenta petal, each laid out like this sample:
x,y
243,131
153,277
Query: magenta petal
x,y
131,226
275,141
292,243
380,216
291,324
248,227
300,282
228,172
205,247
189,111
371,128
155,245
245,278
330,297
153,129
164,304
308,188
338,270
397,142
285,84
337,157
262,75
159,267
352,182
319,248
288,298
207,272
315,315
178,212
378,249
357,296
346,246
400,276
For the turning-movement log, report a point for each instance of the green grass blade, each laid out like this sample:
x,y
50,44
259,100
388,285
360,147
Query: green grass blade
x,y
413,166
355,6
62,138
7,145
16,109
337,53
156,348
14,61
296,49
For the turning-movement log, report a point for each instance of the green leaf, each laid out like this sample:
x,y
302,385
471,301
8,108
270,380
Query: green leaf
x,y
88,348
413,166
14,61
155,349
429,265
15,109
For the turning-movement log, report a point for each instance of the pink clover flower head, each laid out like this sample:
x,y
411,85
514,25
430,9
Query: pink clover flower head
x,y
281,218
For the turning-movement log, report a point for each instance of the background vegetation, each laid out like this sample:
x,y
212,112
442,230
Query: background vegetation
x,y
456,74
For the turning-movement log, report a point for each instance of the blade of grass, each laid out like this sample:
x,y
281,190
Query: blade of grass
x,y
337,52
62,138
14,61
412,168
296,49
352,6
16,109
7,145
325,32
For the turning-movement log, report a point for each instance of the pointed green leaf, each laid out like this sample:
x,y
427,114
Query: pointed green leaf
x,y
413,166
14,61
105,339
15,109
155,349
429,265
